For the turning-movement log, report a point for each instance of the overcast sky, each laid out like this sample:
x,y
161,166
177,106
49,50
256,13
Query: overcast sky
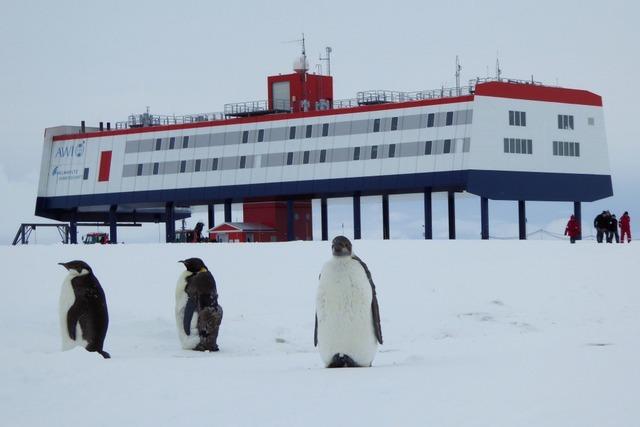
x,y
66,61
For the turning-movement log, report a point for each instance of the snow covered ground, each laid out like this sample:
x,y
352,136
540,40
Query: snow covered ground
x,y
498,333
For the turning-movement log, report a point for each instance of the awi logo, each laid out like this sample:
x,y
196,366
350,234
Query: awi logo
x,y
70,151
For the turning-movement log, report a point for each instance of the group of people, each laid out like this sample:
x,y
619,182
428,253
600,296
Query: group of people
x,y
606,225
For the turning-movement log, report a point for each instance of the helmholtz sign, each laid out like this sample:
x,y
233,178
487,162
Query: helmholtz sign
x,y
64,156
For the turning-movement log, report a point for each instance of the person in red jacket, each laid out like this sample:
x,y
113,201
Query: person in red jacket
x,y
625,227
573,229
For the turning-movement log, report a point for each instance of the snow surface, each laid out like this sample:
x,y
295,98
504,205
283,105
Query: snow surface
x,y
498,333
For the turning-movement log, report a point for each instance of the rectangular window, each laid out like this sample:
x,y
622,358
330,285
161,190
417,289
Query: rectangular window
x,y
591,121
85,174
518,147
374,152
356,153
305,158
572,149
289,158
394,123
323,156
430,120
577,149
139,171
325,129
517,118
183,166
392,150
376,125
529,146
428,146
198,164
158,144
156,167
292,132
506,145
447,146
260,135
570,122
214,164
172,143
449,121
565,122
512,145
523,118
555,148
308,131
245,136
564,148
243,162
512,120
185,142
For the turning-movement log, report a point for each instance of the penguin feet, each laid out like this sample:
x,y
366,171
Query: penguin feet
x,y
342,361
204,347
104,354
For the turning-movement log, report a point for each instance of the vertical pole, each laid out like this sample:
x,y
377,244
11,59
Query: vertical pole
x,y
577,212
385,216
73,227
211,219
113,224
170,223
227,210
522,220
452,214
357,230
324,223
290,221
484,218
22,238
428,215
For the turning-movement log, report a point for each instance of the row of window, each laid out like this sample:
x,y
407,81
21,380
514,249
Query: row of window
x,y
565,148
410,149
517,118
356,127
565,121
518,146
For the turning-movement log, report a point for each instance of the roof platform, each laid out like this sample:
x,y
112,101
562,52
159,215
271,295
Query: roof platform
x,y
255,108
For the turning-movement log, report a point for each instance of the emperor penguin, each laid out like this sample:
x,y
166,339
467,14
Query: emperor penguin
x,y
83,309
198,314
347,326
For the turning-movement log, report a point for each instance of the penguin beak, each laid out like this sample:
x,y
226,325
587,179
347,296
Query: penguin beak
x,y
63,264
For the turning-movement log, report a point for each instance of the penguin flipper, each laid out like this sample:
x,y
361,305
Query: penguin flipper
x,y
72,321
189,309
375,309
315,333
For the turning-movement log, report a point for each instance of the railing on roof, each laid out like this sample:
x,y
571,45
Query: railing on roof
x,y
261,107
146,119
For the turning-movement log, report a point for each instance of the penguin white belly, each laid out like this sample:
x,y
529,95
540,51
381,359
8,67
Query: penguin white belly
x,y
67,299
343,307
189,342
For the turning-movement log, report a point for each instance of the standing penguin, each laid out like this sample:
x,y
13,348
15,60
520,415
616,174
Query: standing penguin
x,y
83,309
347,330
198,314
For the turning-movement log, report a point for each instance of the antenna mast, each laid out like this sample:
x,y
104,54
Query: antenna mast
x,y
458,68
498,69
328,59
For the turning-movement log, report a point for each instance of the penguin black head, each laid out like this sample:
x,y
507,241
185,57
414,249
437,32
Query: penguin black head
x,y
341,246
193,264
76,265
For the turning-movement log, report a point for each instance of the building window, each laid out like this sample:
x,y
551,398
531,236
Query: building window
x,y
185,142
517,118
356,153
243,162
158,144
260,135
564,148
394,123
374,152
591,121
183,166
289,158
428,147
156,167
392,150
446,149
292,132
172,143
305,157
308,131
214,165
245,136
139,171
431,120
449,121
376,125
518,146
197,165
85,174
565,122
325,129
323,156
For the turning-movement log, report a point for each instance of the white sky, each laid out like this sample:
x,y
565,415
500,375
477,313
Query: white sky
x,y
66,61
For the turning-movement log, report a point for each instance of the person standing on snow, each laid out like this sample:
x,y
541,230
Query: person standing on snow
x,y
625,227
573,229
600,224
612,229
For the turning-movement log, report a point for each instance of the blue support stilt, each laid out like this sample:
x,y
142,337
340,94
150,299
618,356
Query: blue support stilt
x,y
484,218
357,230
